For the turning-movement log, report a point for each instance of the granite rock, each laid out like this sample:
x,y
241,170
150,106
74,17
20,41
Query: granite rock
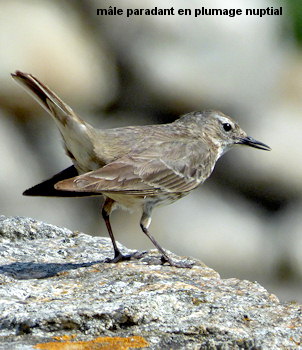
x,y
55,287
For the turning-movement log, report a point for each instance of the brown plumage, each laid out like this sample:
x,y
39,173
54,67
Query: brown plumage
x,y
135,167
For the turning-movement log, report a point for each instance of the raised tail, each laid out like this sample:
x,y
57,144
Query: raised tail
x,y
45,97
77,134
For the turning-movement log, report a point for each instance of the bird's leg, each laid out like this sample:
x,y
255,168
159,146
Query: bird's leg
x,y
118,256
106,211
145,223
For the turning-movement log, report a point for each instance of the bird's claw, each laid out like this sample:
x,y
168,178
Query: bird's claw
x,y
118,256
179,264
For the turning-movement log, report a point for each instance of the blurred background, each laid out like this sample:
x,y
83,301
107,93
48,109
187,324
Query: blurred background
x,y
245,221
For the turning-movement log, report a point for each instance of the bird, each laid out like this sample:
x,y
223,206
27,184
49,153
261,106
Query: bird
x,y
135,167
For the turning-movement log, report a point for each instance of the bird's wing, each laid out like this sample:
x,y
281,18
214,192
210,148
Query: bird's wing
x,y
46,188
171,166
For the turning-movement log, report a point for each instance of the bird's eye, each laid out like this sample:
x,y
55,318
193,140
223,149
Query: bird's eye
x,y
227,126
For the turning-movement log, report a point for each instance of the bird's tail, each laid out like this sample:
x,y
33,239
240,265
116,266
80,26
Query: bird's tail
x,y
58,109
77,134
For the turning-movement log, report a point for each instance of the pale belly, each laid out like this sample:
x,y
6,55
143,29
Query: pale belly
x,y
136,202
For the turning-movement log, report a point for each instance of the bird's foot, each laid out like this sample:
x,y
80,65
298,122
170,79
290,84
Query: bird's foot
x,y
180,264
118,256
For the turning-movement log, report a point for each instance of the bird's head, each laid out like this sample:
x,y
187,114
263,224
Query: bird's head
x,y
223,131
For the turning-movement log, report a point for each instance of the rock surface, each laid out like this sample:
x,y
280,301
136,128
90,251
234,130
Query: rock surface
x,y
56,289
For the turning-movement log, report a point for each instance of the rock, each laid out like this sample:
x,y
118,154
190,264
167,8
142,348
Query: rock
x,y
279,170
52,42
55,287
24,167
287,234
186,62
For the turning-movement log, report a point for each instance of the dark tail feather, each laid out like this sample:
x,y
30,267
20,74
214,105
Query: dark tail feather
x,y
46,188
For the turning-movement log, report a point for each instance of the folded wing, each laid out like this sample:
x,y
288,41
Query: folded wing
x,y
170,166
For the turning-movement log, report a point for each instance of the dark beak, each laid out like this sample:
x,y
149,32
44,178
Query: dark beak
x,y
249,141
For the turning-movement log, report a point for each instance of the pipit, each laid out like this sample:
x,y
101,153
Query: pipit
x,y
135,167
